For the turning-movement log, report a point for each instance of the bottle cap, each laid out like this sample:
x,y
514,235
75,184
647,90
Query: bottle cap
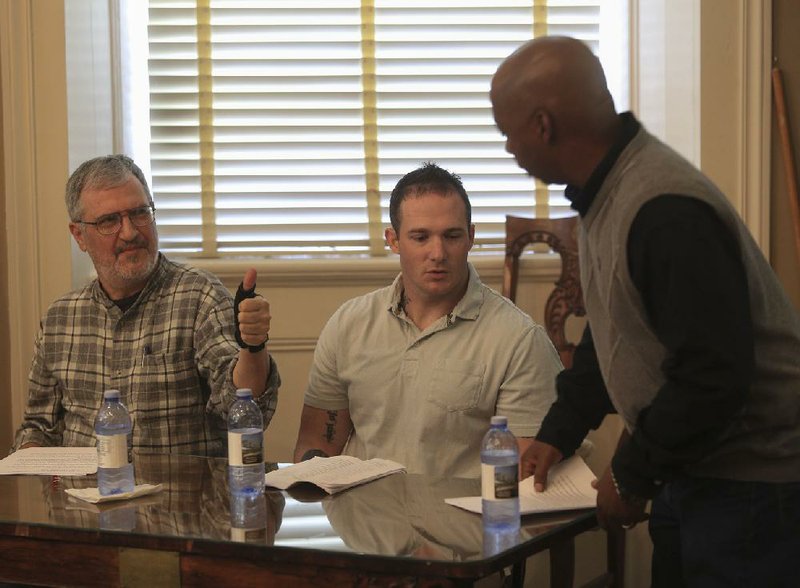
x,y
243,392
111,394
499,420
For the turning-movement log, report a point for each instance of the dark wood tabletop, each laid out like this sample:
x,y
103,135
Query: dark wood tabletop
x,y
394,531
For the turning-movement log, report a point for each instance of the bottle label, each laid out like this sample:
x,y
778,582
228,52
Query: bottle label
x,y
499,482
256,535
112,451
245,448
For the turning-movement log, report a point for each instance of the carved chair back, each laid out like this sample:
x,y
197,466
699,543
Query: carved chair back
x,y
566,298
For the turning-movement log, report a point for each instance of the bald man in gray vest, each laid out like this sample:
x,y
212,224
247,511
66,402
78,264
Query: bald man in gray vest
x,y
690,337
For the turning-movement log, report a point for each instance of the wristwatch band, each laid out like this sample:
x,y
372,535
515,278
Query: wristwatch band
x,y
626,496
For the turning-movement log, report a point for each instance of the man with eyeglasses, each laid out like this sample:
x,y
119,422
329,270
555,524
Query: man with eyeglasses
x,y
169,337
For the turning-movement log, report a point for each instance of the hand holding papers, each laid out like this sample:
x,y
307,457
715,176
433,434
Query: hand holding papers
x,y
569,487
332,474
51,461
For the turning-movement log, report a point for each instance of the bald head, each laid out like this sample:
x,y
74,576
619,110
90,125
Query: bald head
x,y
555,86
560,74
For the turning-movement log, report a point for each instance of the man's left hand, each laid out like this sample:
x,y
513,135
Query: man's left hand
x,y
614,512
254,315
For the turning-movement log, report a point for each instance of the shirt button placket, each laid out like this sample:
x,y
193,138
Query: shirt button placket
x,y
118,360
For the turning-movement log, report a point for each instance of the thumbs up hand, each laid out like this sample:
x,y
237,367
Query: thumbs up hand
x,y
251,314
249,280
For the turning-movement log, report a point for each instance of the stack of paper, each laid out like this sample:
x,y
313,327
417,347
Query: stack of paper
x,y
332,474
51,461
569,487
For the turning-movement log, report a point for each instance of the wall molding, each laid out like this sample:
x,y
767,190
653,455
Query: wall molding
x,y
292,344
372,272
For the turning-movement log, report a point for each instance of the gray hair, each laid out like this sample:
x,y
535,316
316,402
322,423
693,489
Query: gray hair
x,y
101,173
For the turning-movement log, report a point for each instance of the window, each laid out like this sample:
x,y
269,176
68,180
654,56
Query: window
x,y
279,128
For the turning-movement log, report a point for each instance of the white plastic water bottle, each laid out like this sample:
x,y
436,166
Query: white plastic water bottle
x,y
500,478
248,518
113,429
245,445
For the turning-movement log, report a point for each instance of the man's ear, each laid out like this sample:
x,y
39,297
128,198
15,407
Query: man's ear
x,y
542,125
471,235
77,234
391,239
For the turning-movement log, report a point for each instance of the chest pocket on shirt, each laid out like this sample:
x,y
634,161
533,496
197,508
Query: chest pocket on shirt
x,y
454,385
168,373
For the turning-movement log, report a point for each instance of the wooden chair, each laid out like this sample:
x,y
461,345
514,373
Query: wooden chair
x,y
566,299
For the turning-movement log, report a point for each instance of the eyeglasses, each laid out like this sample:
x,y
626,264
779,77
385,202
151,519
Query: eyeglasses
x,y
110,224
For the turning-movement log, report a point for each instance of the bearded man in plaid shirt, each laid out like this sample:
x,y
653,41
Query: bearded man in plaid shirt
x,y
164,334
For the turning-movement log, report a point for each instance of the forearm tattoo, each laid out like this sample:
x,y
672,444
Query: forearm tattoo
x,y
330,426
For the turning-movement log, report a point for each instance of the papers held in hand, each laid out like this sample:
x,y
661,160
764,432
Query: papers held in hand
x,y
569,487
332,474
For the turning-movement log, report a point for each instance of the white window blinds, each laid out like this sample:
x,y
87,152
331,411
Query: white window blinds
x,y
280,127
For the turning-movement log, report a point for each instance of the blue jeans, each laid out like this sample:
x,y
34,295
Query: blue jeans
x,y
708,533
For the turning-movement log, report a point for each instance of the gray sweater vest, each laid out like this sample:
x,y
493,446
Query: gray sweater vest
x,y
764,442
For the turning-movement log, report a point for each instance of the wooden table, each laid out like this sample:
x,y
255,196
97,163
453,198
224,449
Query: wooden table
x,y
396,531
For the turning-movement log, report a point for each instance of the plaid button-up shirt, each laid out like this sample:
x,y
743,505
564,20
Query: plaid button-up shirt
x,y
171,355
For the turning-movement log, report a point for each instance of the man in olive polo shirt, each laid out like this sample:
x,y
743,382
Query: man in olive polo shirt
x,y
414,371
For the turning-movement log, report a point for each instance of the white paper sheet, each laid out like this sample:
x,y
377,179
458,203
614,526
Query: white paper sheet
x,y
569,487
51,461
332,474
